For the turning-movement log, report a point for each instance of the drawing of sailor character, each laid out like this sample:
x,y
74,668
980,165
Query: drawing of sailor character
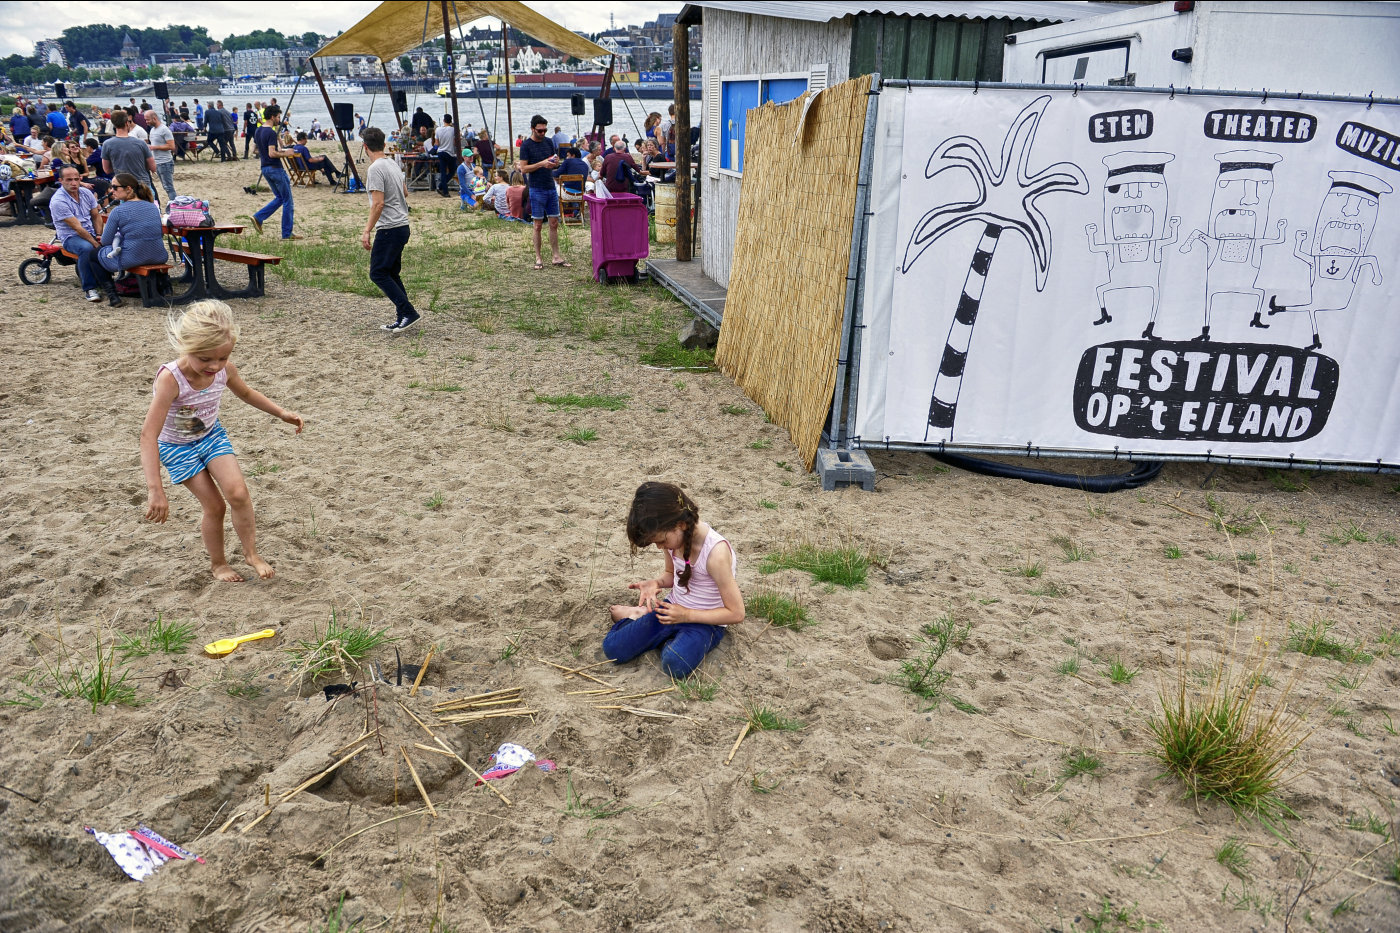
x,y
1239,215
1343,230
1136,227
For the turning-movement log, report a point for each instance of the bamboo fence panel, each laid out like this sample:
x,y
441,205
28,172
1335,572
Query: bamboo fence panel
x,y
782,316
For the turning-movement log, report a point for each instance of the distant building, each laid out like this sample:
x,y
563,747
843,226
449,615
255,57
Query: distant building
x,y
258,62
101,68
49,52
131,52
168,59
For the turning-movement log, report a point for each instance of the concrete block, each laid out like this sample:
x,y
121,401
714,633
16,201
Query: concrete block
x,y
698,334
845,468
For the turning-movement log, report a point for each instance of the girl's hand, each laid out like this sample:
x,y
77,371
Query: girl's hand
x,y
157,507
292,417
671,614
649,590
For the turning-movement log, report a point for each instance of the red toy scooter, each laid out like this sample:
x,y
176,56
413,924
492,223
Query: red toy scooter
x,y
39,269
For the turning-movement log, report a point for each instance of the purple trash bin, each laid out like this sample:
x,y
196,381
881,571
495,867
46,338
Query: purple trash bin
x,y
621,234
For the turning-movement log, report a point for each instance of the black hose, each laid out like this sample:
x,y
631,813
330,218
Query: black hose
x,y
1141,474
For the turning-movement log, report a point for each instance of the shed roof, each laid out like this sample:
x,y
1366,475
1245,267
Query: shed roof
x,y
393,28
1056,10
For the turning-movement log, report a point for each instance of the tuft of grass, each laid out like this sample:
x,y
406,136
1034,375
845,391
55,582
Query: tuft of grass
x,y
1343,536
734,410
671,354
99,679
1031,569
920,675
335,920
843,566
1119,673
245,689
697,687
1233,856
1079,763
1232,525
579,807
435,502
341,647
1049,589
1069,666
767,504
1172,552
785,611
1109,918
761,784
1370,823
512,646
1236,615
161,635
592,400
763,719
580,435
1316,641
1073,551
1224,744
1287,482
944,633
761,444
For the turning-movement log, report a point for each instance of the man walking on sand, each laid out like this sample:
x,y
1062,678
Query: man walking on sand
x,y
276,175
388,221
539,157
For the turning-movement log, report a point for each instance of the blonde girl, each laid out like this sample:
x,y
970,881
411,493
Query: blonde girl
x,y
182,432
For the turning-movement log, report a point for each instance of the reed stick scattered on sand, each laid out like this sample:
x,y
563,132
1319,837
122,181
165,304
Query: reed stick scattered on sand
x,y
588,667
229,822
579,671
392,819
356,742
480,704
288,795
594,692
458,718
419,679
496,696
638,696
417,782
460,759
647,713
478,696
737,742
265,814
434,749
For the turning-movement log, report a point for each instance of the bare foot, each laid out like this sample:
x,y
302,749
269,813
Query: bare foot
x,y
226,574
626,612
263,568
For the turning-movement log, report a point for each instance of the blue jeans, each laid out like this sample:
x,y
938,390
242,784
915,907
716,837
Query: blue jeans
x,y
544,202
281,187
385,264
88,269
447,167
682,646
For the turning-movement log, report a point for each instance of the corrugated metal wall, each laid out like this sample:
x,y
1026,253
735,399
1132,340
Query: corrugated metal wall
x,y
932,49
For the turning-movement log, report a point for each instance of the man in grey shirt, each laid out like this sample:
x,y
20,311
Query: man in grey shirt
x,y
162,143
388,222
446,140
125,153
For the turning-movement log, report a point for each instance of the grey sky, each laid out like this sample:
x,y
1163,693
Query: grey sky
x,y
20,28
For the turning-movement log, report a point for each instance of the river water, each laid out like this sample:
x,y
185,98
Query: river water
x,y
629,113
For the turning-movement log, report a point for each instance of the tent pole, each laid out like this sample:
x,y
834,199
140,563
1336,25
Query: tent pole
x,y
390,86
598,128
339,134
680,82
510,125
452,79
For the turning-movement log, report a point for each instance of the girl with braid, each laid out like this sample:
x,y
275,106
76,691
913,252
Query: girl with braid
x,y
699,572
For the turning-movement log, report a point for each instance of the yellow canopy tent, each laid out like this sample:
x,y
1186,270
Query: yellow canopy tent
x,y
396,26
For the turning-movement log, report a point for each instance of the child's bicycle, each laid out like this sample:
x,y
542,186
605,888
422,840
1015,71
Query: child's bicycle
x,y
37,270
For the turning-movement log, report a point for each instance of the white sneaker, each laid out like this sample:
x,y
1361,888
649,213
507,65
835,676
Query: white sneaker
x,y
93,294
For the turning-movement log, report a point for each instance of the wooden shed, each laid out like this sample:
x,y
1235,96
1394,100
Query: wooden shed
x,y
776,51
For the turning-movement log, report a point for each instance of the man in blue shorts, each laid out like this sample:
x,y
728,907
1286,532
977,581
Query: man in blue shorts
x,y
539,157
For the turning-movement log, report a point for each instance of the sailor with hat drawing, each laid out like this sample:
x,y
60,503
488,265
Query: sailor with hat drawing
x,y
1136,228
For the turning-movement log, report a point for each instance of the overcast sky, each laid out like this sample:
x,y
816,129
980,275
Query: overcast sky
x,y
20,27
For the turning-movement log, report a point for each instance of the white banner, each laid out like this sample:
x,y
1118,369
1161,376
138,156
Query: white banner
x,y
1180,276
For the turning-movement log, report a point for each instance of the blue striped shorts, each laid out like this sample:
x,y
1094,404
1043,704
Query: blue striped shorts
x,y
183,461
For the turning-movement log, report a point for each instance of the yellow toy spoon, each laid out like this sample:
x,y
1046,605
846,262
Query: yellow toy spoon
x,y
225,645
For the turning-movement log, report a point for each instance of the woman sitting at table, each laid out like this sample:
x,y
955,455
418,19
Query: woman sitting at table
x,y
133,235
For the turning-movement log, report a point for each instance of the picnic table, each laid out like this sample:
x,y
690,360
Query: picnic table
x,y
198,245
419,170
22,193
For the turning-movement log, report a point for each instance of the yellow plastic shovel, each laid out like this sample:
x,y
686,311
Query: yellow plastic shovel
x,y
225,645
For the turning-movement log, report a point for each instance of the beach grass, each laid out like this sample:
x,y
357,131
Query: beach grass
x,y
340,647
844,566
783,611
162,634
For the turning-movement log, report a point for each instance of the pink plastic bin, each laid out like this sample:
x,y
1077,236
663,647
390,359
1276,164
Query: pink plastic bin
x,y
620,231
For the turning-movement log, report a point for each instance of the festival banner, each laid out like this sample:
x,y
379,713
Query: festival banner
x,y
1188,275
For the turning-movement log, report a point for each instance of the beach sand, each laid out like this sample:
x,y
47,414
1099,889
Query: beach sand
x,y
881,812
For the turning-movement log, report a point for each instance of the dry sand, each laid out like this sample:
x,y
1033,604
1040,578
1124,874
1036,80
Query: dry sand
x,y
878,814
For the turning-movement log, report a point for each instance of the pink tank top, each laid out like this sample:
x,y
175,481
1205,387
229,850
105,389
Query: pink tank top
x,y
194,412
703,592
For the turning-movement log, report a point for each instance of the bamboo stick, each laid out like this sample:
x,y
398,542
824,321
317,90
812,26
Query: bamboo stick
x,y
487,714
418,783
227,823
584,693
638,696
648,713
479,696
460,759
735,750
589,667
579,672
478,704
244,830
434,749
355,742
419,679
288,795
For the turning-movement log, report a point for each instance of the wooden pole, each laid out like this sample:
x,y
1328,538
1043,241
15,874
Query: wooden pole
x,y
680,81
344,146
456,130
388,84
510,124
598,129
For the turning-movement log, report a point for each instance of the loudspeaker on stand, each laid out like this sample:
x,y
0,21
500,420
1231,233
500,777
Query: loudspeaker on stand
x,y
162,90
343,116
602,111
576,105
401,102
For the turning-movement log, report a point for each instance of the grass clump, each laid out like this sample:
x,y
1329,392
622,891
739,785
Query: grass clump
x,y
1073,550
435,502
580,435
843,566
341,647
669,353
1316,641
592,400
763,719
162,634
1352,532
920,675
1120,673
1109,918
1069,667
99,679
1172,552
576,805
1031,569
697,687
1080,763
1233,857
784,611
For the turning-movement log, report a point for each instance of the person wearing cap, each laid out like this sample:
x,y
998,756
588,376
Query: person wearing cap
x,y
1136,228
1239,218
1345,222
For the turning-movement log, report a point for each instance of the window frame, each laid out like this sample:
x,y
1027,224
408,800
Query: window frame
x,y
762,80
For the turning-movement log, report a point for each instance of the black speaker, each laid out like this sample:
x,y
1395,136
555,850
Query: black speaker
x,y
343,116
162,91
60,91
602,111
401,102
575,105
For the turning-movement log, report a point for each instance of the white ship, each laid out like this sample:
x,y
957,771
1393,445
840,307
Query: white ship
x,y
283,84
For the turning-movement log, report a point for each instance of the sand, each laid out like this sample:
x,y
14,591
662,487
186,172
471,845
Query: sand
x,y
882,812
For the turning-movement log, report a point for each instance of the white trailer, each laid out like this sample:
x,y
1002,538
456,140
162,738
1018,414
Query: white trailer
x,y
1350,49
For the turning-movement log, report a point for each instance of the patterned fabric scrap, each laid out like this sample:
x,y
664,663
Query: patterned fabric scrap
x,y
140,851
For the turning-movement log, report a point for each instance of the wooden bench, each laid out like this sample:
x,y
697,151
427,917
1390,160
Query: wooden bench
x,y
150,289
254,261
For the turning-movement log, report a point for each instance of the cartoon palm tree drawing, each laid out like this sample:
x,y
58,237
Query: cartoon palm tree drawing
x,y
999,207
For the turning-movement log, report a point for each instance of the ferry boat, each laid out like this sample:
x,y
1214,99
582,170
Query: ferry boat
x,y
283,84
